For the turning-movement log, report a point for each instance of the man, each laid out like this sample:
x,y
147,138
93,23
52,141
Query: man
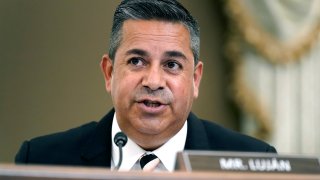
x,y
153,74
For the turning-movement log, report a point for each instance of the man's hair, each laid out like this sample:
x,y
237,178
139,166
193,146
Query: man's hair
x,y
162,10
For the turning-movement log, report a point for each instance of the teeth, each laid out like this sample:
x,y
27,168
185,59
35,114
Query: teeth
x,y
151,104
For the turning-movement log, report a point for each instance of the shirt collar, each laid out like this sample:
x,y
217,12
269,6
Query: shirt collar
x,y
132,152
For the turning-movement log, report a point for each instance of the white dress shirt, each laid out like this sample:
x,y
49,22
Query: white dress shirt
x,y
132,152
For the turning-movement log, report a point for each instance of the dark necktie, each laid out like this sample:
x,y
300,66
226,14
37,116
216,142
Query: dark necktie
x,y
149,162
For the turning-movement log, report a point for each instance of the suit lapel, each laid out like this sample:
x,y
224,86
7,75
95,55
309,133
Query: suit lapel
x,y
97,150
196,136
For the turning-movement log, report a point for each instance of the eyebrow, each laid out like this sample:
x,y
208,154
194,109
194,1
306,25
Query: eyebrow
x,y
139,52
171,54
175,54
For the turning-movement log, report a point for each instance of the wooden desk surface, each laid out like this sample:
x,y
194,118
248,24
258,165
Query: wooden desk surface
x,y
26,172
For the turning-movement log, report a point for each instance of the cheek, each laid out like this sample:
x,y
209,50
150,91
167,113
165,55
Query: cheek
x,y
123,85
183,91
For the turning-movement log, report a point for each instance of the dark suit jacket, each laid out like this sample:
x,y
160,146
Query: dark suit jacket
x,y
90,144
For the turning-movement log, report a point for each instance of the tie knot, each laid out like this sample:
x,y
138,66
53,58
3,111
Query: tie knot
x,y
149,162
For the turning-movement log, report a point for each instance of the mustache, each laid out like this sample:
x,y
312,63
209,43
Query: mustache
x,y
165,96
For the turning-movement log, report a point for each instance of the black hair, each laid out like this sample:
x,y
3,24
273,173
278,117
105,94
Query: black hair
x,y
162,10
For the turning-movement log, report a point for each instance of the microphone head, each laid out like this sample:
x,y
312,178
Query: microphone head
x,y
120,139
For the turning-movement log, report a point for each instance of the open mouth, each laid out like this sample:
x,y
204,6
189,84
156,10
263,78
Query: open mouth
x,y
152,106
151,103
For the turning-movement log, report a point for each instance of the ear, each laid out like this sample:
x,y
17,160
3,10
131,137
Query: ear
x,y
197,78
107,68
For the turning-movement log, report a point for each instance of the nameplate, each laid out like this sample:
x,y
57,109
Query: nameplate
x,y
246,162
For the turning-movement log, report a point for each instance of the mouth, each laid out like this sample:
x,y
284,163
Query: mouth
x,y
152,104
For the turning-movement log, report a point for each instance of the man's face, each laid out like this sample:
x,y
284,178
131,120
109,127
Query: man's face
x,y
153,80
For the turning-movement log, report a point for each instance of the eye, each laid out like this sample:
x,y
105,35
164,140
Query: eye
x,y
173,65
135,61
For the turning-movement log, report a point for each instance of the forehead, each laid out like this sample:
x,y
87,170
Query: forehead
x,y
154,27
154,34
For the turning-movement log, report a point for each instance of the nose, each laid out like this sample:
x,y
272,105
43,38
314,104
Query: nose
x,y
153,78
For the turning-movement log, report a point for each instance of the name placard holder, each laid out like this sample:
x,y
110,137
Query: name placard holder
x,y
246,162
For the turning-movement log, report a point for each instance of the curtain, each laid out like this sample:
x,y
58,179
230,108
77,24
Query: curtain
x,y
274,49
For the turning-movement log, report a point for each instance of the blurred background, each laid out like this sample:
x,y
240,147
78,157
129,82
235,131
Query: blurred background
x,y
261,73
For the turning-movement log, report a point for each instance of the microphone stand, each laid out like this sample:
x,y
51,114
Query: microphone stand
x,y
120,139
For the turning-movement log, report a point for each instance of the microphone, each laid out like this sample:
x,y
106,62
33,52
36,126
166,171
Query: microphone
x,y
120,139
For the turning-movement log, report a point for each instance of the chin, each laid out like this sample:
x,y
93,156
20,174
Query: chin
x,y
150,130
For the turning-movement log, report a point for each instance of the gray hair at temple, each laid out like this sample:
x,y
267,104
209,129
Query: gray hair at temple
x,y
162,10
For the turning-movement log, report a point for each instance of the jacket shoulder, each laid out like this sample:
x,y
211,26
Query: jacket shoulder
x,y
49,149
222,138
